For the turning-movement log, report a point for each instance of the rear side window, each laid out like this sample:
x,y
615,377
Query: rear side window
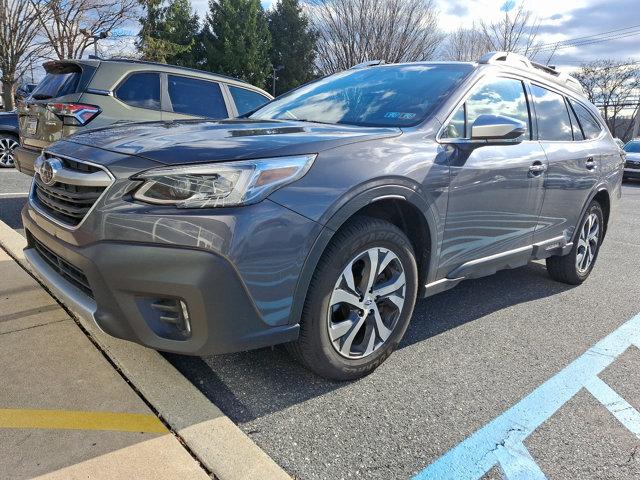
x,y
193,96
246,100
552,114
141,90
590,126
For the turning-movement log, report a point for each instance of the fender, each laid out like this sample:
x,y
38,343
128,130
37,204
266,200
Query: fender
x,y
600,187
338,216
10,129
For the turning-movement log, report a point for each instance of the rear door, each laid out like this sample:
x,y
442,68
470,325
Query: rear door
x,y
574,161
494,196
64,82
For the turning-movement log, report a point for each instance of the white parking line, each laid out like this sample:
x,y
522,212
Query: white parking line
x,y
14,194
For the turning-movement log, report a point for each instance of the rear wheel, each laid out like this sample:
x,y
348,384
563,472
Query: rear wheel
x,y
8,144
575,267
360,300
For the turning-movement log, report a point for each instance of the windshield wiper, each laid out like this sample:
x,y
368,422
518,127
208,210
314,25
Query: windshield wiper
x,y
41,96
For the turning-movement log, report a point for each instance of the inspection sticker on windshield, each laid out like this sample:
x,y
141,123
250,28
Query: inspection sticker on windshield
x,y
402,115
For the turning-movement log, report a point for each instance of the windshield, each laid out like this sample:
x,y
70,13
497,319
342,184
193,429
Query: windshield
x,y
387,96
632,147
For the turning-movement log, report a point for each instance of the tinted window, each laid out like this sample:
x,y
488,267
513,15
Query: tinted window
x,y
246,100
632,147
141,90
391,95
553,116
590,126
193,96
504,96
575,126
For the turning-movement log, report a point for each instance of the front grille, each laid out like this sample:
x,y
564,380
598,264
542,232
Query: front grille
x,y
632,164
70,273
65,202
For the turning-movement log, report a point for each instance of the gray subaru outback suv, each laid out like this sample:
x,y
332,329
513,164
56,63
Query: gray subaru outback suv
x,y
319,219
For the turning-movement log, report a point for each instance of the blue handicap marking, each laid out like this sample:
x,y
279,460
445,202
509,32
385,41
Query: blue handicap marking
x,y
501,442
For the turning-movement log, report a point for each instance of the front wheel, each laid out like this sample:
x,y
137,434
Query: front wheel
x,y
575,267
360,300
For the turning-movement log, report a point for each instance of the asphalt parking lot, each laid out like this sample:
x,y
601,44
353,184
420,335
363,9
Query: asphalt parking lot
x,y
469,356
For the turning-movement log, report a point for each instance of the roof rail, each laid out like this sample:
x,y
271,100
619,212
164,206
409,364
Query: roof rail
x,y
368,63
166,65
520,61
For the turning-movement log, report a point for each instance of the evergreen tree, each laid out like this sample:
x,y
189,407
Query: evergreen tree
x,y
237,40
169,32
293,46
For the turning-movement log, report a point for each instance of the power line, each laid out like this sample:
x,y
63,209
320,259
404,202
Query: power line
x,y
561,46
571,40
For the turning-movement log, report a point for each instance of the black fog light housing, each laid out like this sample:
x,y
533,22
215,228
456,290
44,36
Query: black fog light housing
x,y
168,317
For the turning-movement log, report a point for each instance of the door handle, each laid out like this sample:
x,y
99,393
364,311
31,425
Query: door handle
x,y
537,168
590,163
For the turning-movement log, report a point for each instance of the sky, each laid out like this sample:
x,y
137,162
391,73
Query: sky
x,y
560,20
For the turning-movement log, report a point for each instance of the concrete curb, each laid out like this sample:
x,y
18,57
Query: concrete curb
x,y
212,437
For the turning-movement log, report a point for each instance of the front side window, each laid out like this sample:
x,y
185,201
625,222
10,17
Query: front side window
x,y
502,96
552,114
590,125
141,90
246,100
384,96
193,96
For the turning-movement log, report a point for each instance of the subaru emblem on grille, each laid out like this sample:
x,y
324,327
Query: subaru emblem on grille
x,y
48,170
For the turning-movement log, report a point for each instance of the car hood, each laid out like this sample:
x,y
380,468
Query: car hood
x,y
211,141
632,156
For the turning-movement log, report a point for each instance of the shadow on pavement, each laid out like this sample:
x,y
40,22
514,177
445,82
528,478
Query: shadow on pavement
x,y
10,208
249,385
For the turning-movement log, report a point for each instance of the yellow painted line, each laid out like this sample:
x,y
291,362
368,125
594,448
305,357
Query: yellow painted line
x,y
80,420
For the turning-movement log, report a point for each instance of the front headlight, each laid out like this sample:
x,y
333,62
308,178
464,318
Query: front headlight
x,y
220,184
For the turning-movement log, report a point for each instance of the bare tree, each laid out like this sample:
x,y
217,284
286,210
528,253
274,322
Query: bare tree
x,y
71,26
517,31
18,44
465,44
353,31
615,88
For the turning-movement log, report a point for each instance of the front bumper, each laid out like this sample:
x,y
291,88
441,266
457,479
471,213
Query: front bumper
x,y
25,158
223,316
631,172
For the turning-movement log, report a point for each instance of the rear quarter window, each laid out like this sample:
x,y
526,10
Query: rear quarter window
x,y
590,126
141,90
246,100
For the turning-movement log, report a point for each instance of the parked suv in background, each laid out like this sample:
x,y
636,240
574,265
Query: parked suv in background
x,y
632,157
320,218
79,94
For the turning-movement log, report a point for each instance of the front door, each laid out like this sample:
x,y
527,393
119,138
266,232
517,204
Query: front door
x,y
496,191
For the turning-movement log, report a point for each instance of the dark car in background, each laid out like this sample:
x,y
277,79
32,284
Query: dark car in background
x,y
8,138
77,95
320,218
632,159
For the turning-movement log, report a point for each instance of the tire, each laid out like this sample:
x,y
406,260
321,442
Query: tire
x,y
359,340
575,267
8,143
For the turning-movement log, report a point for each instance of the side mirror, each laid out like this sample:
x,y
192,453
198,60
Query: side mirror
x,y
497,127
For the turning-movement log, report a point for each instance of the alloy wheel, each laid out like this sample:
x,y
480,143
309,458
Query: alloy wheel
x,y
588,243
7,146
366,303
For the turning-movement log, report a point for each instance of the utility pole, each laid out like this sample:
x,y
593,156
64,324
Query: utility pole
x,y
636,122
273,84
